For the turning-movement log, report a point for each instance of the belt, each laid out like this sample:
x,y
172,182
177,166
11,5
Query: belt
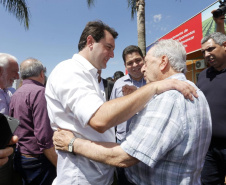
x,y
31,155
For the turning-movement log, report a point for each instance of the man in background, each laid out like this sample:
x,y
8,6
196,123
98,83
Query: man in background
x,y
105,86
117,75
35,157
133,60
212,82
8,73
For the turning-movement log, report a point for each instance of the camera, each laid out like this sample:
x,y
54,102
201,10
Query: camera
x,y
221,10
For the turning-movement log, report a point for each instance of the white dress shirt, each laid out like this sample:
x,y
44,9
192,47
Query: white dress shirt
x,y
73,95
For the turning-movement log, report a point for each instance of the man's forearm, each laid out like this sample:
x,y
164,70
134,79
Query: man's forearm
x,y
51,155
220,28
104,152
121,109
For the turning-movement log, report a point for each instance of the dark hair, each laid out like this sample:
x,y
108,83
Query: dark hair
x,y
118,74
130,49
96,30
109,79
218,38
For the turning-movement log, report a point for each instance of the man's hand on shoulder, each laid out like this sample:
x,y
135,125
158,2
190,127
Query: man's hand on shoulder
x,y
169,84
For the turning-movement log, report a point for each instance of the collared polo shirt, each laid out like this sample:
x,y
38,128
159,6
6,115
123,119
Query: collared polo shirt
x,y
116,93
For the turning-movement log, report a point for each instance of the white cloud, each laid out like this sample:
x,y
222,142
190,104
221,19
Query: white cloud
x,y
157,18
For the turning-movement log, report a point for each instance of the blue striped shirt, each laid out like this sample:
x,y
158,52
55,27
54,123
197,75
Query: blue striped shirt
x,y
170,137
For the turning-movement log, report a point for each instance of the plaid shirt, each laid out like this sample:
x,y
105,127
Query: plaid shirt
x,y
170,137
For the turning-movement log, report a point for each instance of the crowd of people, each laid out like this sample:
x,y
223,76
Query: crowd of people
x,y
150,126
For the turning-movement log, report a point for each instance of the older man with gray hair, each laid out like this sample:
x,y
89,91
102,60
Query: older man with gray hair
x,y
35,157
167,140
8,73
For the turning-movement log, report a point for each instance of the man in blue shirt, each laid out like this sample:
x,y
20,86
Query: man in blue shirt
x,y
133,61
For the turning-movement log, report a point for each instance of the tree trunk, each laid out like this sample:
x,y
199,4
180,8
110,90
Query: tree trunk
x,y
141,25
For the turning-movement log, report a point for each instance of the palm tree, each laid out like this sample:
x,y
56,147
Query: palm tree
x,y
19,9
137,6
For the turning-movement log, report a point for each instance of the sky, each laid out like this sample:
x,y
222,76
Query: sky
x,y
56,26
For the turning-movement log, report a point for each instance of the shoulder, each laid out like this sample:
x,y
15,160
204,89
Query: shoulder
x,y
122,81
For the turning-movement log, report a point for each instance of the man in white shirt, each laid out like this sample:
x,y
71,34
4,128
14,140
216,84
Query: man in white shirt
x,y
75,102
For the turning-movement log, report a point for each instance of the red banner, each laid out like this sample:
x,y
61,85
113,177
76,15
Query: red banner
x,y
189,34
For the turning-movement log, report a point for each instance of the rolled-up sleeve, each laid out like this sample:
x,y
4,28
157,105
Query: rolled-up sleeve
x,y
42,130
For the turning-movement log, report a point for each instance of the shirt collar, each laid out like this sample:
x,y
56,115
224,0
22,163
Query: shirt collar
x,y
86,64
213,70
178,76
29,81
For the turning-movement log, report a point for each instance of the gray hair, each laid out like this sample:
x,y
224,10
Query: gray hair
x,y
5,58
31,68
175,52
218,38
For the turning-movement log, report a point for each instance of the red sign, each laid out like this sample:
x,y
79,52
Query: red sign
x,y
189,34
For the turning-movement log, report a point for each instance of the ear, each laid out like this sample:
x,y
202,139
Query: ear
x,y
90,41
224,45
164,62
42,74
1,71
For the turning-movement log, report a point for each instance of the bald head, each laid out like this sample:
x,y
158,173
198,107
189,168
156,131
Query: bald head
x,y
32,68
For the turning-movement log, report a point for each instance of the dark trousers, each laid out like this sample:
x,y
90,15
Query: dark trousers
x,y
214,169
8,176
34,171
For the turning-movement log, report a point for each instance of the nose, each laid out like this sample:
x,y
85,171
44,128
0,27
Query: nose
x,y
135,64
143,69
112,54
206,54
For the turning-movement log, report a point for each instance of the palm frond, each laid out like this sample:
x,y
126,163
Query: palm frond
x,y
133,7
19,9
90,3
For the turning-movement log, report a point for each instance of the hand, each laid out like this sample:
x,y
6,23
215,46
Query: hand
x,y
61,139
128,89
168,84
219,20
4,153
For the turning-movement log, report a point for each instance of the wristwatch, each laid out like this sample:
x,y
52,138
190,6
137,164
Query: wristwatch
x,y
70,145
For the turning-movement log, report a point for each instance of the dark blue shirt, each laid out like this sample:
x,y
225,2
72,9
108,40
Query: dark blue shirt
x,y
213,85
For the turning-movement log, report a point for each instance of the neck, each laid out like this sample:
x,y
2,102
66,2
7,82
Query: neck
x,y
38,79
